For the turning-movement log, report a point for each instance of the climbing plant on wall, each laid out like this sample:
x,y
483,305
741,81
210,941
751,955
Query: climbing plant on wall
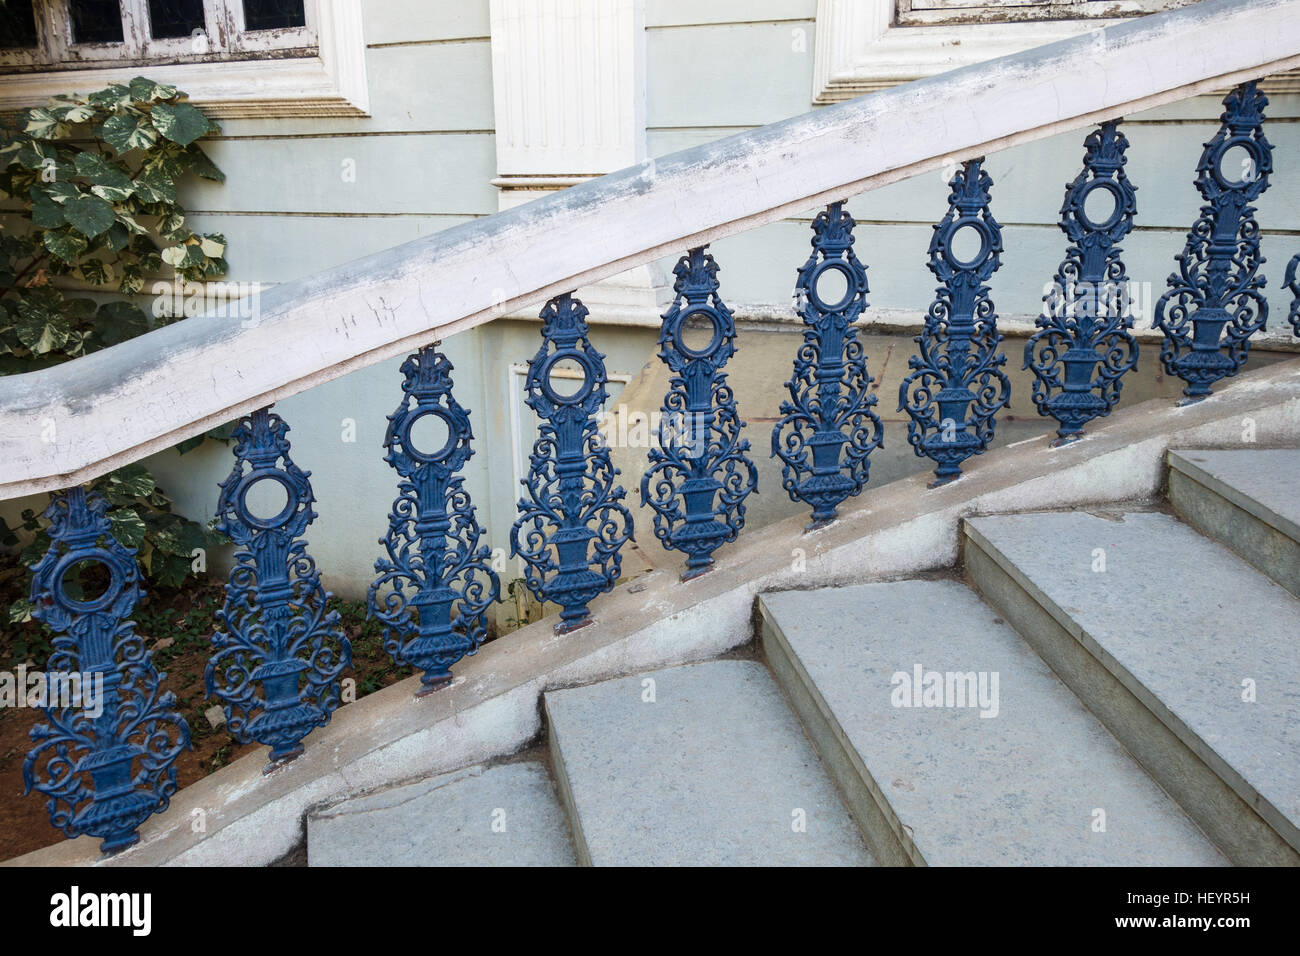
x,y
92,222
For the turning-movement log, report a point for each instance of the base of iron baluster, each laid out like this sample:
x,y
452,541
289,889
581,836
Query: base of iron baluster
x,y
568,627
818,523
940,482
434,686
1191,400
690,574
280,761
1064,440
105,851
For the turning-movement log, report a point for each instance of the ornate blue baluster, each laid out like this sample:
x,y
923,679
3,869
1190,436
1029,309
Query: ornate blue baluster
x,y
829,427
1215,303
275,667
1293,284
107,760
957,384
698,477
570,477
1083,345
435,585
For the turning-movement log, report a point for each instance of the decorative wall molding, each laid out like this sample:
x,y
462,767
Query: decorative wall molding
x,y
859,48
568,79
332,83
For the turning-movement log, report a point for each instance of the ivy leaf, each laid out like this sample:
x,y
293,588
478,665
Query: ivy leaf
x,y
20,611
201,166
41,330
127,131
119,321
73,112
115,95
45,211
145,89
181,123
89,215
62,192
132,280
96,271
170,570
212,245
128,527
107,181
64,244
43,124
131,481
117,237
154,185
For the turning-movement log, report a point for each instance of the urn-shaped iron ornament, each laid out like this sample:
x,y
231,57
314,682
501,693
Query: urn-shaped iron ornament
x,y
957,385
829,426
699,475
435,581
1215,301
279,653
1083,345
572,521
106,757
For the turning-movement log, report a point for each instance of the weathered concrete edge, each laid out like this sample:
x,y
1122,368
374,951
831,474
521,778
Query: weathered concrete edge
x,y
1190,739
1268,550
564,790
1234,496
884,833
493,708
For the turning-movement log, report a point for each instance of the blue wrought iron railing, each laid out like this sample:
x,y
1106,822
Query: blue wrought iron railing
x,y
278,657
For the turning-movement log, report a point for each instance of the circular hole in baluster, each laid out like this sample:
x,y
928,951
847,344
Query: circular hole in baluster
x,y
1237,165
832,288
967,245
1100,205
267,500
698,334
86,581
429,436
566,378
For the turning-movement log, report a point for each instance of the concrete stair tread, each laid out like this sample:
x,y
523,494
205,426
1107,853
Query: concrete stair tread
x,y
1264,482
502,815
1180,621
715,771
1017,788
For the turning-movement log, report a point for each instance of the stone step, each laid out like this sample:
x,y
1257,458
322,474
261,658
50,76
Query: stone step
x,y
1012,771
502,815
1248,500
1188,654
702,764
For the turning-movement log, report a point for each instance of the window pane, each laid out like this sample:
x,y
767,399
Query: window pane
x,y
175,18
17,25
96,21
273,14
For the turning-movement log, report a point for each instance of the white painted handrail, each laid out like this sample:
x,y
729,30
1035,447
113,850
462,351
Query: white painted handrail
x,y
75,421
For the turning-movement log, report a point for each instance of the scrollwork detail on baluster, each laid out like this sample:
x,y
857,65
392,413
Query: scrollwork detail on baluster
x,y
105,766
570,484
1215,301
957,385
279,653
1293,286
829,426
699,476
1083,347
435,582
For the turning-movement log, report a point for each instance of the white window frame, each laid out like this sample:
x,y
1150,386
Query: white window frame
x,y
922,12
860,47
226,80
